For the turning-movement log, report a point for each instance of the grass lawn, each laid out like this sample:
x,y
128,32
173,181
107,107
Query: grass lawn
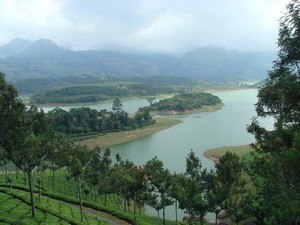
x,y
126,136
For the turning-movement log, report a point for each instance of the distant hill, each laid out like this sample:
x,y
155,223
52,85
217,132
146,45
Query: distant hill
x,y
14,47
23,59
221,64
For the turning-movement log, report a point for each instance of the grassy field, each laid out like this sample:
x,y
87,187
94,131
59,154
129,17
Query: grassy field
x,y
126,136
216,153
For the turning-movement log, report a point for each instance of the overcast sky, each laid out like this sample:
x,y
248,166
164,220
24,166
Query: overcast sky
x,y
165,26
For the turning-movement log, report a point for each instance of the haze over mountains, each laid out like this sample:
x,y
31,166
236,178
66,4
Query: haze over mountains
x,y
23,59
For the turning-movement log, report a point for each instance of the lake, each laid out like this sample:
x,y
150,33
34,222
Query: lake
x,y
199,132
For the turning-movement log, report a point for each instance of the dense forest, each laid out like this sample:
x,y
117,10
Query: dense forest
x,y
263,188
183,102
85,120
92,93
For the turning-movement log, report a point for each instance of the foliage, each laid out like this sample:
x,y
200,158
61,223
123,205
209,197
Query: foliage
x,y
95,93
85,120
184,102
275,167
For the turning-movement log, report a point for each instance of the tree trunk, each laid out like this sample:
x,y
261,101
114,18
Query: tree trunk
x,y
125,204
5,170
24,179
201,219
80,199
163,208
216,221
10,179
176,214
134,216
157,213
53,178
140,207
128,204
40,186
17,173
95,194
30,182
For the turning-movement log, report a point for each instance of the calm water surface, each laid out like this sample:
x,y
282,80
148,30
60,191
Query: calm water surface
x,y
199,132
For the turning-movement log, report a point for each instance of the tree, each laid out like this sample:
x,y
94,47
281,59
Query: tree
x,y
176,191
27,143
25,135
151,100
54,159
275,165
159,182
77,164
117,106
3,163
195,188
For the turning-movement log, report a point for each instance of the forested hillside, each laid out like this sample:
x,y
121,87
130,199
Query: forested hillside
x,y
23,59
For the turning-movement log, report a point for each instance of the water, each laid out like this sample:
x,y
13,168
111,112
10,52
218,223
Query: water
x,y
199,132
130,105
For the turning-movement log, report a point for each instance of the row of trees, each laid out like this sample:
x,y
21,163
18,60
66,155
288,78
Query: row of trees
x,y
85,120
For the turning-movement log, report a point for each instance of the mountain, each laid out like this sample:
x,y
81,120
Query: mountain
x,y
23,59
14,47
219,63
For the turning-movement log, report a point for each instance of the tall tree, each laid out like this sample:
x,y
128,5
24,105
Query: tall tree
x,y
159,181
77,164
28,143
275,167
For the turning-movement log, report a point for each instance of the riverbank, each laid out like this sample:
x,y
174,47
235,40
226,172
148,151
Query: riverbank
x,y
205,108
87,104
116,138
216,153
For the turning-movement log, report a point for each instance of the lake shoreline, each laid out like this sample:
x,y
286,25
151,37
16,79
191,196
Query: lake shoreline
x,y
215,154
116,138
86,104
206,108
83,104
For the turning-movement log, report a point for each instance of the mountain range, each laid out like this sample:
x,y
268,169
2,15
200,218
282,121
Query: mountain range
x,y
24,59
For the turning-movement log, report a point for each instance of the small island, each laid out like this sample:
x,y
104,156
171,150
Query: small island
x,y
185,103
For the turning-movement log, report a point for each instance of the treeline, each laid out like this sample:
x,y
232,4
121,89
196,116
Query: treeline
x,y
196,191
94,93
37,85
184,102
85,120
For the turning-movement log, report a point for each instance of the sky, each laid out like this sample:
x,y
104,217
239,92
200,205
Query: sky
x,y
145,26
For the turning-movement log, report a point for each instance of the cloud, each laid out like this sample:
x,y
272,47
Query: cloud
x,y
169,26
